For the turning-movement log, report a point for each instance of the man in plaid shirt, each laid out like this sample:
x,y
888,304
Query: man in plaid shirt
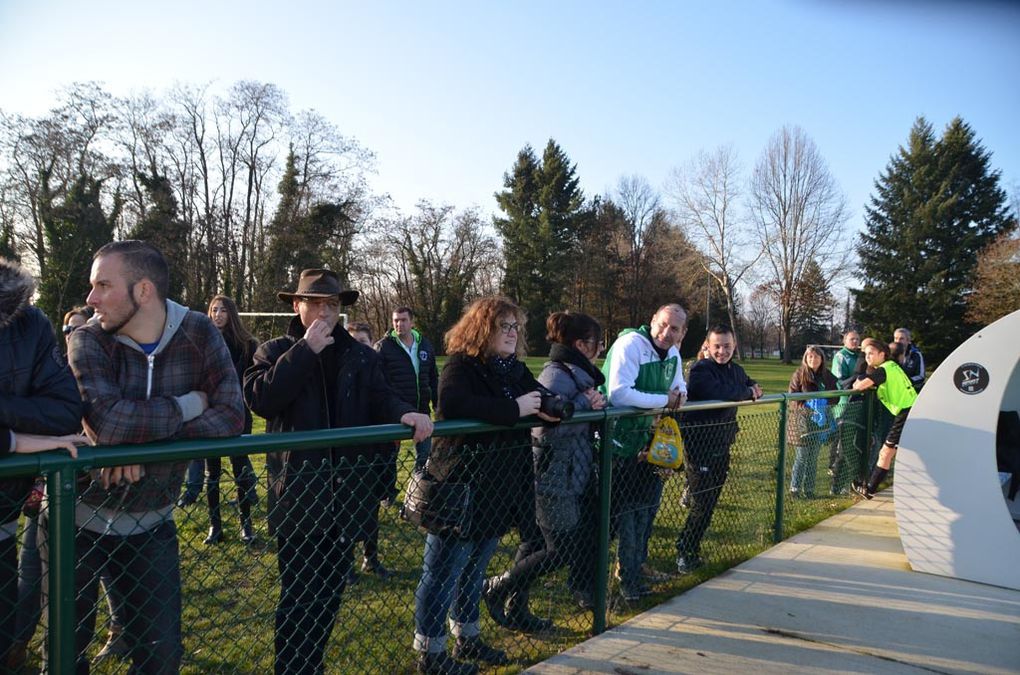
x,y
148,369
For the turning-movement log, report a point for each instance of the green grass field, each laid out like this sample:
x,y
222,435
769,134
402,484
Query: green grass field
x,y
230,591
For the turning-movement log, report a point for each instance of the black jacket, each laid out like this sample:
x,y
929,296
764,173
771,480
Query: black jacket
x,y
419,389
310,490
38,394
710,381
497,465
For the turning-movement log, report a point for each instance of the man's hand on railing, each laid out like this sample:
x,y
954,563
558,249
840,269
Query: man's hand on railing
x,y
422,425
30,443
115,475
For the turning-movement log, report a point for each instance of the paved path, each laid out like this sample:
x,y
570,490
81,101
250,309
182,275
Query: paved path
x,y
838,597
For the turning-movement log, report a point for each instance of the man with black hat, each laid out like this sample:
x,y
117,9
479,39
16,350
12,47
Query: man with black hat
x,y
317,376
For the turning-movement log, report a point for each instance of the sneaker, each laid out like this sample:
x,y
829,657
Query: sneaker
x,y
830,472
861,489
474,649
373,566
116,647
685,564
440,663
652,574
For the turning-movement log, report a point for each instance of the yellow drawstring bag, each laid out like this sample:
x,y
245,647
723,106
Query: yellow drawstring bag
x,y
667,448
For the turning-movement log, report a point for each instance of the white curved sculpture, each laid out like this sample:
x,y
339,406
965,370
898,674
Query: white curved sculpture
x,y
952,517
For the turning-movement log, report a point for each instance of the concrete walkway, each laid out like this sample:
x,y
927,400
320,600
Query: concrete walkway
x,y
838,597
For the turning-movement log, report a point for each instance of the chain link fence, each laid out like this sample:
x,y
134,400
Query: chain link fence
x,y
196,588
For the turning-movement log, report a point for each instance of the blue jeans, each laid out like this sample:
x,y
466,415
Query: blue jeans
x,y
805,466
145,572
451,582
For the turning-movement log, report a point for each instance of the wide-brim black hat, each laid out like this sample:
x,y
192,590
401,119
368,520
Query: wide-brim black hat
x,y
319,283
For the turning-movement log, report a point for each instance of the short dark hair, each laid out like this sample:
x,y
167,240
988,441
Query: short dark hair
x,y
142,260
360,327
404,309
721,329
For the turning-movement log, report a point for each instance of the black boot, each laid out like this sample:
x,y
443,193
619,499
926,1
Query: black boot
x,y
440,663
247,531
473,649
212,494
495,592
519,617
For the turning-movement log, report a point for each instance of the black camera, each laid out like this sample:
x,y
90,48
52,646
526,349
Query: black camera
x,y
555,405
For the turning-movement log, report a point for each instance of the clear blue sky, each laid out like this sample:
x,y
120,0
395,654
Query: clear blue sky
x,y
446,93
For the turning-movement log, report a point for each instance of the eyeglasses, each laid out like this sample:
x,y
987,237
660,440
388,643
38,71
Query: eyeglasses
x,y
505,327
332,303
601,343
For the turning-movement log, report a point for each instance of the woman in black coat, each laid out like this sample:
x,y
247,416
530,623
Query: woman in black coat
x,y
484,380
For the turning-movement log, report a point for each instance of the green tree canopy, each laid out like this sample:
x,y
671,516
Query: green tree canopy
x,y
74,230
936,205
544,209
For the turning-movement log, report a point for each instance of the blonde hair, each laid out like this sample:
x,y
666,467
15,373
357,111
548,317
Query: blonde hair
x,y
473,332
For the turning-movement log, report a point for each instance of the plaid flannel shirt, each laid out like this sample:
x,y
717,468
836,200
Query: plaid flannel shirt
x,y
121,406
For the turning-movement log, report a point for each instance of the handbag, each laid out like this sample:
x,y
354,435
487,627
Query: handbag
x,y
436,506
667,448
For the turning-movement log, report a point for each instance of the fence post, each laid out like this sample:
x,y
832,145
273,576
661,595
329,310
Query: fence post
x,y
777,530
60,540
605,498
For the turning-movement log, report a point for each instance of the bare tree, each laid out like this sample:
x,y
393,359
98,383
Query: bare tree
x,y
705,192
799,212
642,214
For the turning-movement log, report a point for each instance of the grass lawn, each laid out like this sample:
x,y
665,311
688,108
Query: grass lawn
x,y
230,591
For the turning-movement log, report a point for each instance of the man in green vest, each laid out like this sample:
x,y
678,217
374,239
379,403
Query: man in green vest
x,y
848,417
642,370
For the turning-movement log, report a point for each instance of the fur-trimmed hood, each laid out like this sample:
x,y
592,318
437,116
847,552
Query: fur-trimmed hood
x,y
16,288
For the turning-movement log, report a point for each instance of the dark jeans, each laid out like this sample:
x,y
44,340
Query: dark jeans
x,y
29,582
706,468
8,592
144,570
637,492
313,573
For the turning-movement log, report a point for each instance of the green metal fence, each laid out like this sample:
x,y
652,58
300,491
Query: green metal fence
x,y
229,589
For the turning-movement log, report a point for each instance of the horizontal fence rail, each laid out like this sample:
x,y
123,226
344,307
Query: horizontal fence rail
x,y
628,536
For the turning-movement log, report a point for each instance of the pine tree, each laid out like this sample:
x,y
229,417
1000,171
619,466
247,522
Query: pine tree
x,y
812,318
937,204
544,206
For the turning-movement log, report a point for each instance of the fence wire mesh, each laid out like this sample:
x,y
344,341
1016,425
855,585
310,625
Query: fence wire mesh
x,y
248,569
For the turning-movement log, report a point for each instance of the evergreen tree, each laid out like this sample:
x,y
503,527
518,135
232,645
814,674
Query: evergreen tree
x,y
937,204
162,227
812,318
544,207
73,231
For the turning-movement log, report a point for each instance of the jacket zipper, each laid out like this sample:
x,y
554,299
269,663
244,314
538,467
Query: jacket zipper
x,y
151,358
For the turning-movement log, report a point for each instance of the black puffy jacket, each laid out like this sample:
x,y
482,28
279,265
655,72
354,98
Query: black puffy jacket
x,y
38,394
419,389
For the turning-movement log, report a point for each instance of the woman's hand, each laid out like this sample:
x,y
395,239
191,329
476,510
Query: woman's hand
x,y
32,443
595,398
529,403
